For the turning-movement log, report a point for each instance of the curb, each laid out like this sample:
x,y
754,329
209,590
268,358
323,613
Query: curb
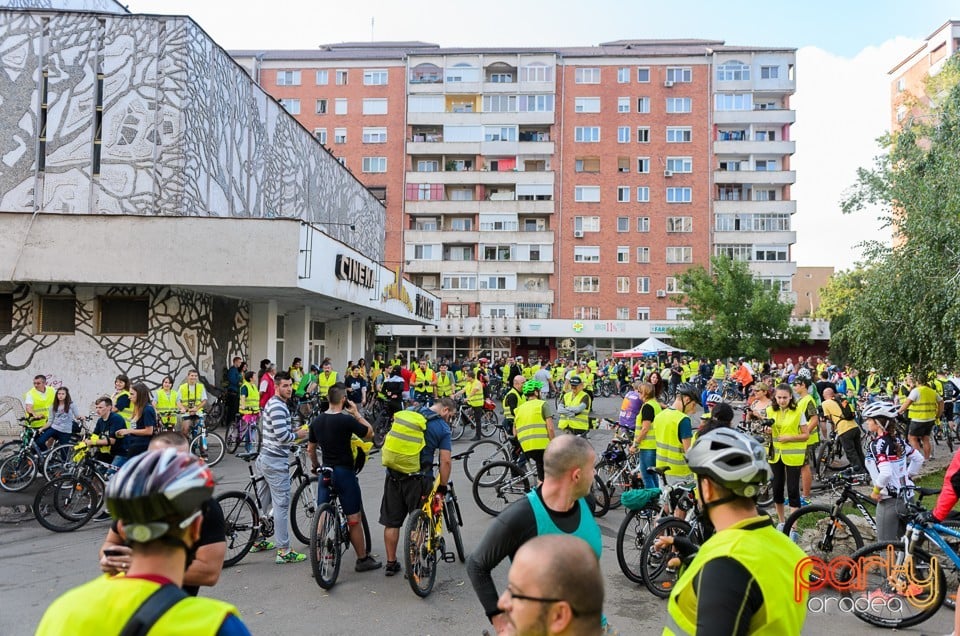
x,y
15,514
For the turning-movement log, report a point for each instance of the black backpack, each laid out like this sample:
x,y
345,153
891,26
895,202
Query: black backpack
x,y
846,411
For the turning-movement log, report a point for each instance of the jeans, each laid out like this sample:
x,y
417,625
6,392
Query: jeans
x,y
275,470
41,439
648,459
119,460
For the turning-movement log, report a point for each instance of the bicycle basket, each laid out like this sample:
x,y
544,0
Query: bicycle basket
x,y
639,498
489,405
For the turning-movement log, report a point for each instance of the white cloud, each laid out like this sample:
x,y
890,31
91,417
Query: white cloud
x,y
842,106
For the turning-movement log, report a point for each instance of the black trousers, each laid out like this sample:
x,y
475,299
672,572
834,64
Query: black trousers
x,y
853,449
789,475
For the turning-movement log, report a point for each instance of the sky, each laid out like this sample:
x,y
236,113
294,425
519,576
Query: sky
x,y
845,49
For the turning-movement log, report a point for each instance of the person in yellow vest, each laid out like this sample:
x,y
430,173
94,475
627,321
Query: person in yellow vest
x,y
326,379
121,398
719,370
874,382
473,393
461,379
742,580
533,424
923,406
250,406
574,414
156,499
810,421
38,400
424,383
512,399
191,398
673,430
644,437
166,404
296,372
444,381
788,449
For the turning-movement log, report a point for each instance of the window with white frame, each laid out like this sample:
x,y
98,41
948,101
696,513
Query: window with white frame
x,y
671,285
623,253
623,134
680,164
499,103
679,74
586,313
462,72
340,106
426,223
374,106
426,252
769,72
374,135
643,284
735,251
292,106
320,134
460,194
679,105
587,164
589,284
623,104
643,104
586,223
498,282
586,194
323,77
461,225
679,254
643,254
643,313
288,78
679,224
623,194
623,313
374,164
623,284
499,133
458,281
428,165
590,134
536,103
677,313
733,101
623,224
643,196
321,107
679,134
586,254
733,71
501,78
679,195
771,253
643,135
341,77
623,75
643,165
643,223
586,75
586,105
643,75
375,77
536,72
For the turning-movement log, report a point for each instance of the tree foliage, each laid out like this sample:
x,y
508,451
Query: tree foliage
x,y
836,300
907,311
731,313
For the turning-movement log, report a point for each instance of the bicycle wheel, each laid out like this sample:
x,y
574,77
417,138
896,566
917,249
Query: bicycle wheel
x,y
951,571
214,416
457,426
232,438
511,486
452,521
380,429
58,461
303,508
657,566
482,453
488,424
420,559
325,546
614,478
241,524
819,534
598,499
65,504
765,496
214,451
636,525
17,471
909,598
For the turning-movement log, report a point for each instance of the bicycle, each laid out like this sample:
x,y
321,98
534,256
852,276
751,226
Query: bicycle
x,y
830,457
424,543
944,429
25,461
330,534
617,466
303,503
243,430
204,443
69,502
486,451
606,387
464,417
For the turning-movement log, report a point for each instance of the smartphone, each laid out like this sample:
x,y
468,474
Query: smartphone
x,y
114,552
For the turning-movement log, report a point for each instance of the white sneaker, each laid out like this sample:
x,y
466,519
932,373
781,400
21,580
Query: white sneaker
x,y
780,527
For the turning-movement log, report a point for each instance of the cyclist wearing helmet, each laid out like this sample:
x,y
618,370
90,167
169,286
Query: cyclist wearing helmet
x,y
673,431
309,381
511,401
533,424
644,439
742,579
157,499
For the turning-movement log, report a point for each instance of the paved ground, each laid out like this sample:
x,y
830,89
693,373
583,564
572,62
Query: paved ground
x,y
39,565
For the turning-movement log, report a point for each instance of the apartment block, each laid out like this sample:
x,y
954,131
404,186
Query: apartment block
x,y
552,198
908,96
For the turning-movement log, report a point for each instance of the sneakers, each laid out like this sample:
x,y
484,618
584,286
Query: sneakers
x,y
367,563
392,567
103,516
804,502
289,557
780,527
262,546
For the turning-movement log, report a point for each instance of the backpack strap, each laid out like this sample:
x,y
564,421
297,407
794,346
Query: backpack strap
x,y
152,609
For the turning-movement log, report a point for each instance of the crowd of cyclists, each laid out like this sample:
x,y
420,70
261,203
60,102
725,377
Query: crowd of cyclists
x,y
789,410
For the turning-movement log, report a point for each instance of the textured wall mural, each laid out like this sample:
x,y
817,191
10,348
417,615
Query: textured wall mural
x,y
103,6
185,131
186,330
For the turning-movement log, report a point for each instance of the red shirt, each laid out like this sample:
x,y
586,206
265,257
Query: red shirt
x,y
406,374
266,394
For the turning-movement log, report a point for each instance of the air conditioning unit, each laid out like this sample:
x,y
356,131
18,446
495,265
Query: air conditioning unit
x,y
668,173
668,84
578,234
661,293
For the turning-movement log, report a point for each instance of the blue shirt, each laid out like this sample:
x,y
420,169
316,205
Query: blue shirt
x,y
233,379
437,437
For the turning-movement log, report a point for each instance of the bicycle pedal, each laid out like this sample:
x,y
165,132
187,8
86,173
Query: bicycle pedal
x,y
449,557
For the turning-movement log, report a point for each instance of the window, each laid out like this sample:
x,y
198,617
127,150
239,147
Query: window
x,y
643,313
586,254
376,77
321,107
766,164
495,282
586,223
679,254
680,164
623,104
677,313
586,313
772,72
458,281
643,135
57,314
733,71
587,164
679,74
734,251
501,78
643,196
461,225
623,284
123,316
643,284
679,195
679,105
426,252
901,84
776,253
643,75
643,104
623,253
764,195
426,224
586,76
461,194
643,165
536,72
679,134
589,284
623,224
373,106
320,134
428,165
643,254
679,224
623,134
765,135
901,113
339,135
623,194
623,75
288,78
623,164
341,77
340,106
623,313
586,133
733,101
374,164
462,72
499,103
323,77
536,103
643,223
499,133
6,313
374,135
671,285
587,194
292,106
586,105
497,253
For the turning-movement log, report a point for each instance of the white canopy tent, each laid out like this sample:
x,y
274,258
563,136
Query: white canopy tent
x,y
647,347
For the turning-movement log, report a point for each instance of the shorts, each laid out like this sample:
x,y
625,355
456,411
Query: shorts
x,y
920,429
401,496
812,454
348,490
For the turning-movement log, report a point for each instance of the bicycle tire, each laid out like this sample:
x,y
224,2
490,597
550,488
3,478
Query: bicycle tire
x,y
819,534
303,509
65,504
452,520
488,424
765,496
485,451
232,438
512,485
634,528
658,575
598,499
615,479
381,429
420,563
214,416
241,524
325,554
215,448
18,471
870,557
951,571
59,461
457,427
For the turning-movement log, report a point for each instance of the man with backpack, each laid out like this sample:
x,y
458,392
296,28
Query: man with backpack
x,y
837,409
408,454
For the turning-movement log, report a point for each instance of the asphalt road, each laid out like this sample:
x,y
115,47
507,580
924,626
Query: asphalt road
x,y
39,565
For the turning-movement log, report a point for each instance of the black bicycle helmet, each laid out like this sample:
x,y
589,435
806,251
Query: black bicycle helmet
x,y
732,459
158,491
687,389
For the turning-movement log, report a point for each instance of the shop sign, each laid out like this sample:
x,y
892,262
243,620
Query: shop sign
x,y
424,307
352,270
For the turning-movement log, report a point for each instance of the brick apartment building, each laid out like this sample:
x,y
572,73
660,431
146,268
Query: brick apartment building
x,y
552,197
907,79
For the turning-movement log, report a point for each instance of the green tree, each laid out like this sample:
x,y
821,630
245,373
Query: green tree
x,y
731,313
836,300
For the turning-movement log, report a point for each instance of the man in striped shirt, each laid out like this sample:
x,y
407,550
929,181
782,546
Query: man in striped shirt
x,y
276,438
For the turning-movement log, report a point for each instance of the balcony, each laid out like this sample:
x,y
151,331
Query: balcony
x,y
443,147
766,116
775,237
757,177
516,267
433,237
475,119
774,207
779,148
773,268
423,266
476,207
515,236
486,177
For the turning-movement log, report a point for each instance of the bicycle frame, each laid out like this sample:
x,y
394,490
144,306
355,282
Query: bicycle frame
x,y
933,533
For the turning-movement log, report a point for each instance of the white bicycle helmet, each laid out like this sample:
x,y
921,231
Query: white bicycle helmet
x,y
714,398
884,410
732,459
